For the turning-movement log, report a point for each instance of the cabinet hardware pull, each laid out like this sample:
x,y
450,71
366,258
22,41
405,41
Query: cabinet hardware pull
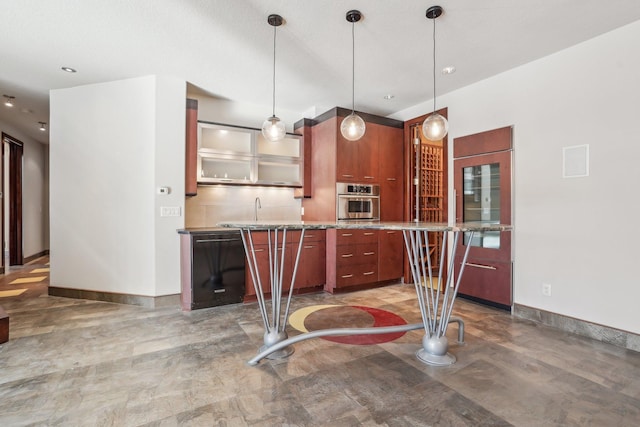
x,y
217,240
486,267
368,177
368,233
391,179
346,276
391,232
368,273
369,253
347,176
347,255
347,234
258,250
308,246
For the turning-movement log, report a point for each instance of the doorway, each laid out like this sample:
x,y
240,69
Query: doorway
x,y
482,184
12,160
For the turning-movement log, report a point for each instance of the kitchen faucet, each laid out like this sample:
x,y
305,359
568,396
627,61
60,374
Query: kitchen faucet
x,y
257,205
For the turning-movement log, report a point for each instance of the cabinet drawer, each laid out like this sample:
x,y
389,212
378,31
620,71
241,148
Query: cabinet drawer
x,y
357,254
262,238
309,236
350,275
347,237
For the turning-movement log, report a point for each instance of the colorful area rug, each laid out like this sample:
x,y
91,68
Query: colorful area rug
x,y
318,317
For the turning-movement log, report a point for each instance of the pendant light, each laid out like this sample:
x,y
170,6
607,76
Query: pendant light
x,y
273,129
435,127
9,100
43,126
353,127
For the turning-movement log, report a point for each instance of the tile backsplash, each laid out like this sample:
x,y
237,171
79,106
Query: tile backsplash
x,y
216,203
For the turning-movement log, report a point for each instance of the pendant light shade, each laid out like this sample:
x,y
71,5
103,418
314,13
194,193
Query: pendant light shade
x,y
435,127
273,128
353,127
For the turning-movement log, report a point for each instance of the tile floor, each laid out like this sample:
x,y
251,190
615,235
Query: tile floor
x,y
86,363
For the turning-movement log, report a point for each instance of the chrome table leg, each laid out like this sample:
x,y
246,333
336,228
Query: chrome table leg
x,y
435,305
274,315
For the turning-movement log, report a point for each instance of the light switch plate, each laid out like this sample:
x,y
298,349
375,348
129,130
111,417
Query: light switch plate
x,y
170,211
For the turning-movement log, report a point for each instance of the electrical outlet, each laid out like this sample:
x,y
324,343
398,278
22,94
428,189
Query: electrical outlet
x,y
546,289
170,211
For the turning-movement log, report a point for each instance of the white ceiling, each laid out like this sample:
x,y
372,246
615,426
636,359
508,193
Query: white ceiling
x,y
225,47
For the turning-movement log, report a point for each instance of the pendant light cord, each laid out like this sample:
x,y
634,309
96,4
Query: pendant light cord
x,y
434,65
274,72
353,67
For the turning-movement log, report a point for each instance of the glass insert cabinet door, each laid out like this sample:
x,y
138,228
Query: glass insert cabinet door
x,y
483,195
481,202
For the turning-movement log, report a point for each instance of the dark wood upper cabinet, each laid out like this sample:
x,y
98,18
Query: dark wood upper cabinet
x,y
357,161
303,128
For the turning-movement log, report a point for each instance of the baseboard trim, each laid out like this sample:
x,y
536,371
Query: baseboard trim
x,y
141,300
594,331
34,257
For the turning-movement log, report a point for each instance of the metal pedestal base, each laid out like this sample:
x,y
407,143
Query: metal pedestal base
x,y
274,314
273,337
279,354
435,360
435,305
434,351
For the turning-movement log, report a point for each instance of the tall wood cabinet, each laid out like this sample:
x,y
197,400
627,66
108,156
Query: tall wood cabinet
x,y
427,183
191,148
353,259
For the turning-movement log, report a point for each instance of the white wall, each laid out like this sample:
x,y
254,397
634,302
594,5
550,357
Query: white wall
x,y
576,234
111,146
35,216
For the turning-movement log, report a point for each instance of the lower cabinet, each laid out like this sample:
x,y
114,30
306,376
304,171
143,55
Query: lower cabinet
x,y
363,258
486,280
391,252
311,266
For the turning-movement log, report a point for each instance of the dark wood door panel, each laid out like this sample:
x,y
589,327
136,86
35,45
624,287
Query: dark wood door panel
x,y
486,280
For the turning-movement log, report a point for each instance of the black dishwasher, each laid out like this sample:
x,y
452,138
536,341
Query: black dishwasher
x,y
217,269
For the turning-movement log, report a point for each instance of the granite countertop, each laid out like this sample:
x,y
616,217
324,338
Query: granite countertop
x,y
374,225
206,230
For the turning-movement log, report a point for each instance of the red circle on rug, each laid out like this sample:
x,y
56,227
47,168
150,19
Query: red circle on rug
x,y
380,318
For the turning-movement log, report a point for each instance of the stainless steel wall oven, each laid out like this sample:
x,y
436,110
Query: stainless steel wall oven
x,y
357,201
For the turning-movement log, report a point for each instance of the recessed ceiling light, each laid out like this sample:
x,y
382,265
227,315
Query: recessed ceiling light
x,y
389,96
9,100
449,70
69,69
